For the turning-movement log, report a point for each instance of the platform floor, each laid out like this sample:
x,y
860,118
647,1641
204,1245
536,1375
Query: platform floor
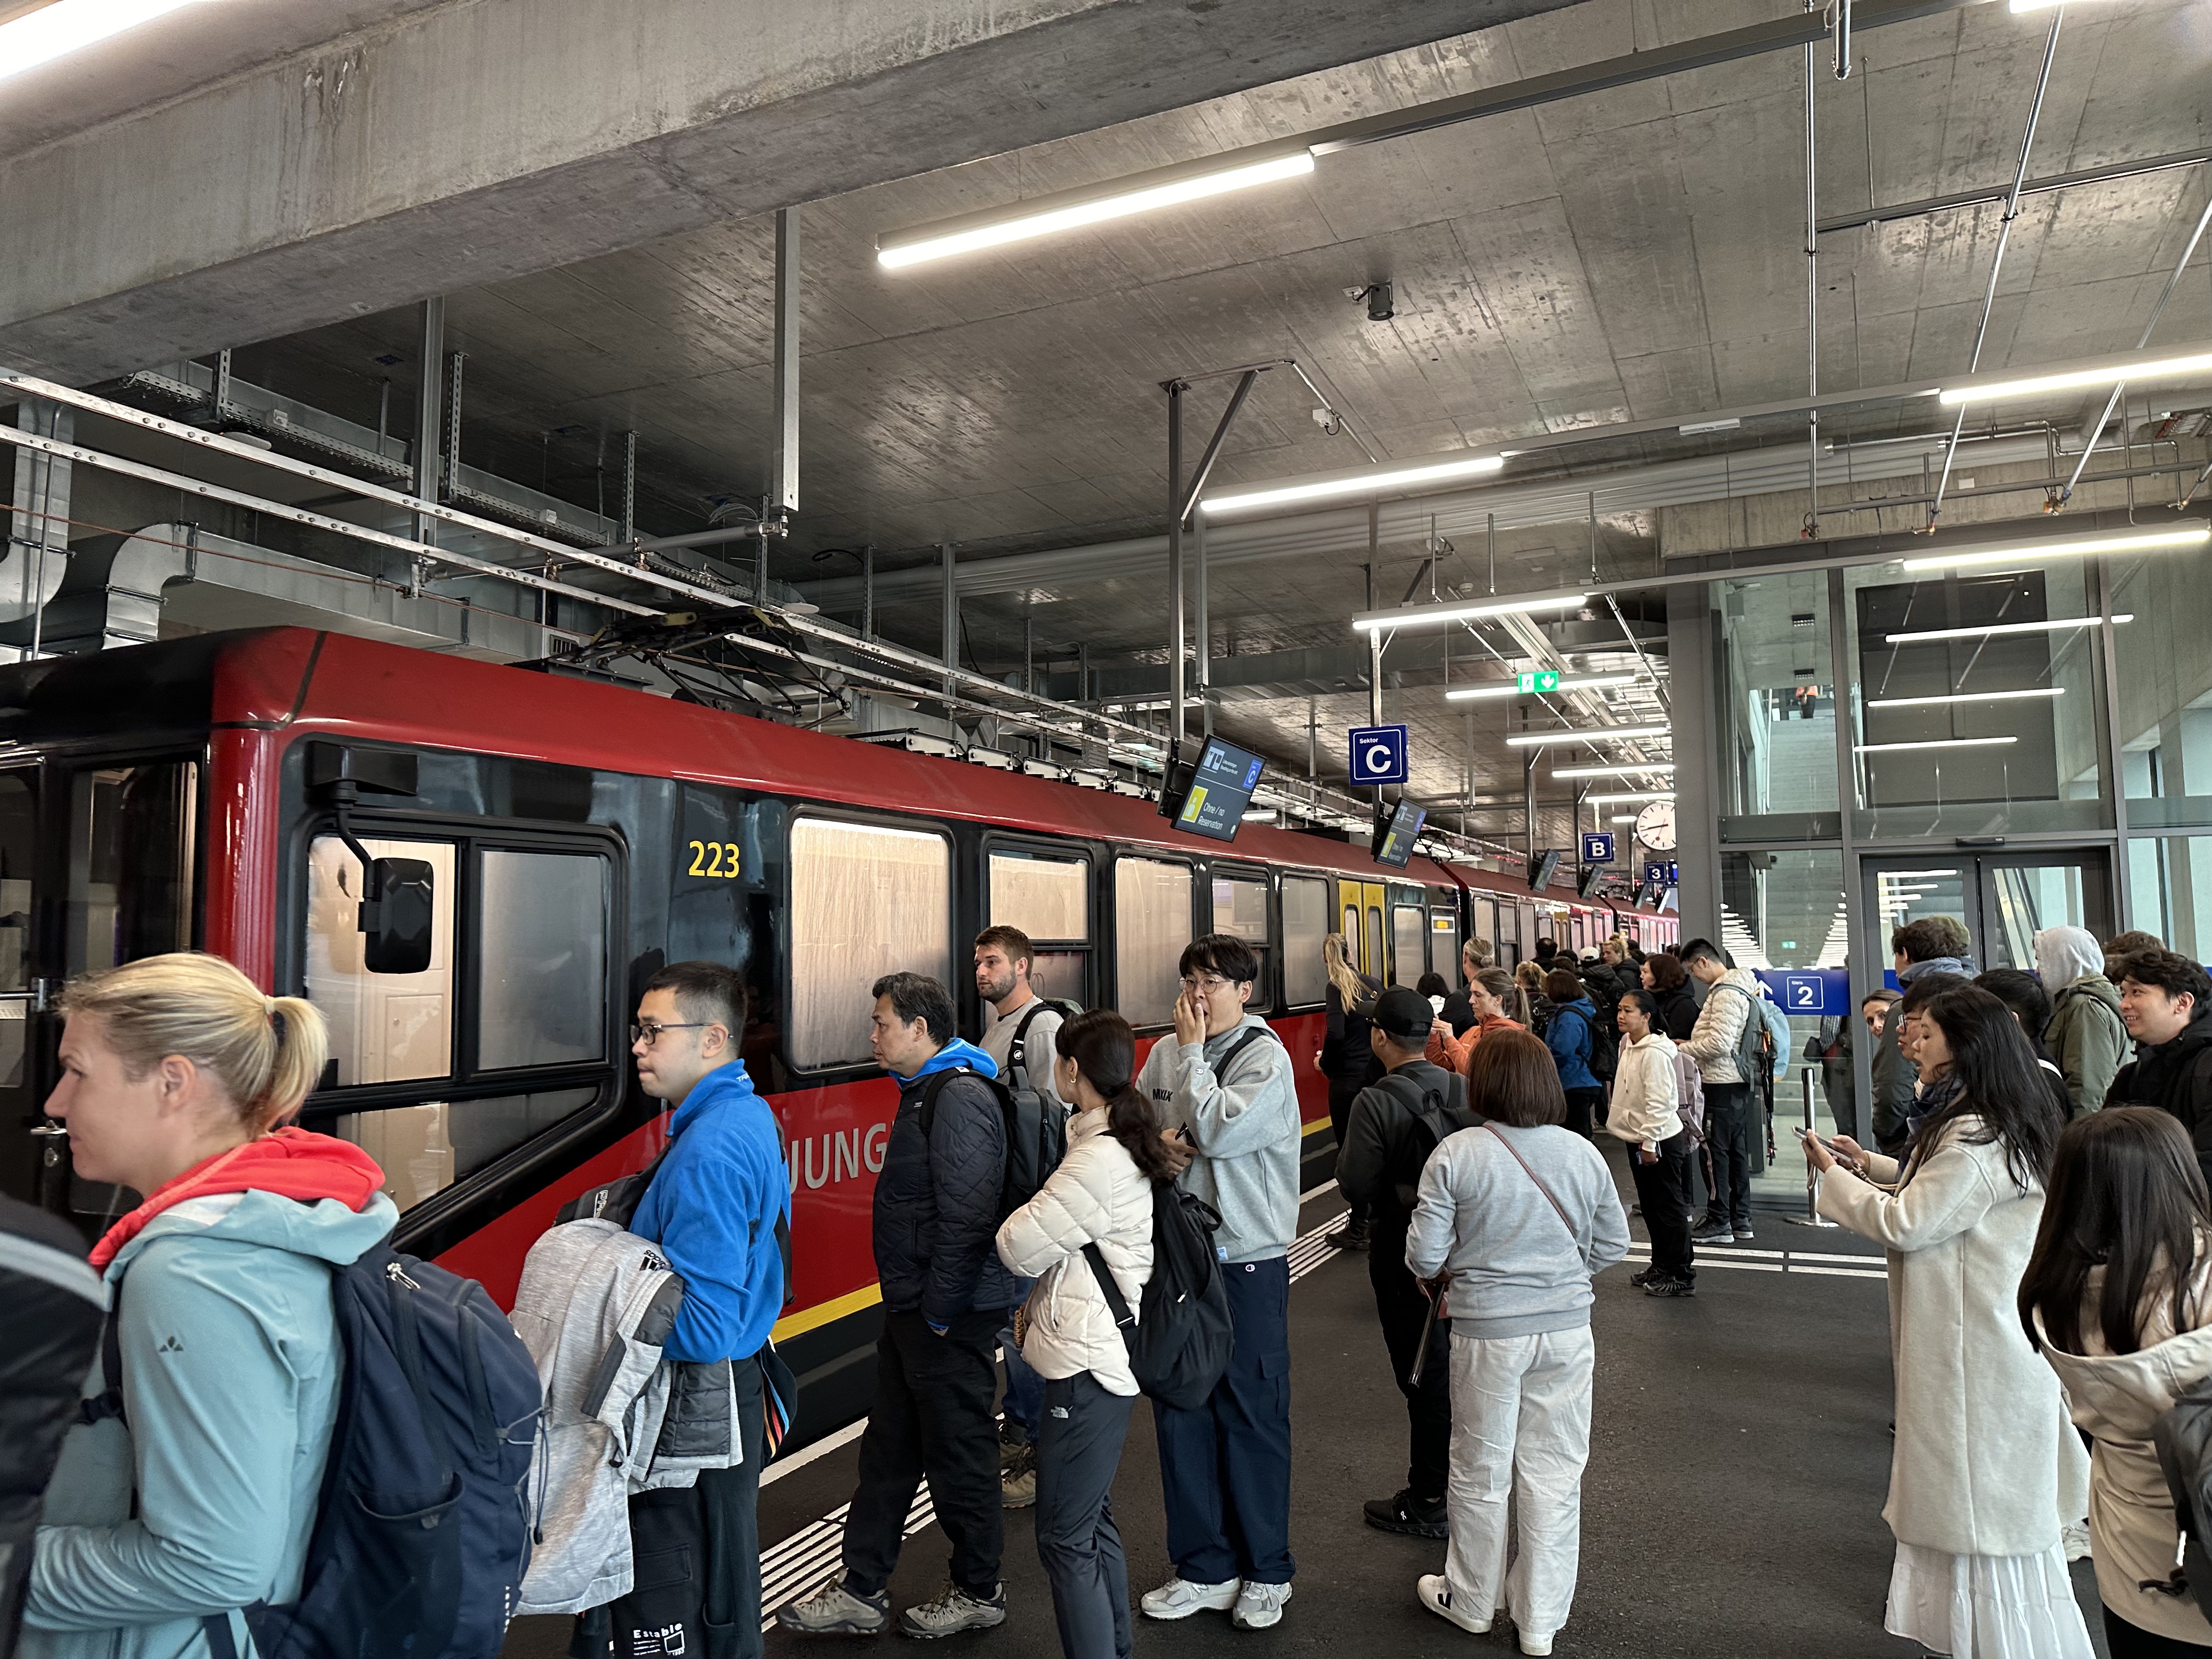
x,y
1739,1457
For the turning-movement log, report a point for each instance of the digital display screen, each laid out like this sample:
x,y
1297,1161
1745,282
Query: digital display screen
x,y
1394,845
1221,786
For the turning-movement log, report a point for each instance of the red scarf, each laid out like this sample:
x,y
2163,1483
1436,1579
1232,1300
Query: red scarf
x,y
291,1163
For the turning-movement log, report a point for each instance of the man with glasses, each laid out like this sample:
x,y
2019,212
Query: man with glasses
x,y
714,1206
1223,1081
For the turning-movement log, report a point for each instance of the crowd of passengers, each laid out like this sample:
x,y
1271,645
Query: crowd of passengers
x,y
2035,1162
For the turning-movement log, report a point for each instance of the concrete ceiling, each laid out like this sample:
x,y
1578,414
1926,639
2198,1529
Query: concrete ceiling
x,y
1622,256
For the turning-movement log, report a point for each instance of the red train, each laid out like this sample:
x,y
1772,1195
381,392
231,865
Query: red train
x,y
578,835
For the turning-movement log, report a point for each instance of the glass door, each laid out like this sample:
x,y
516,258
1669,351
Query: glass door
x,y
2003,899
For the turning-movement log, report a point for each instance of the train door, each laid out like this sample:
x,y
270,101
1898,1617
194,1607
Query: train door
x,y
1409,936
1360,903
1445,934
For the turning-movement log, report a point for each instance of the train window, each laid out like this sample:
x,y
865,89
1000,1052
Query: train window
x,y
1409,943
1152,924
425,1149
1049,899
1376,966
865,900
19,826
1350,931
1443,943
542,960
1305,924
130,863
1240,907
385,1027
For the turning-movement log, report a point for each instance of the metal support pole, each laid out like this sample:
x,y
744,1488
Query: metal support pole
x,y
1029,655
784,493
868,592
1313,741
1528,800
1175,390
1374,634
1204,627
951,619
629,487
455,360
1492,518
1812,273
1842,40
429,415
222,381
1812,1218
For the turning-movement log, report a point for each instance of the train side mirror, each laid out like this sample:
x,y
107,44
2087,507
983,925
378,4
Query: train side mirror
x,y
395,915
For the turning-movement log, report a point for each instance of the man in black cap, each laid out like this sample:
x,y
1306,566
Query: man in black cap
x,y
1394,1124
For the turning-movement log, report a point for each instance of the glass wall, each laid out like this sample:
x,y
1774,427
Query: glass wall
x,y
2165,717
1776,777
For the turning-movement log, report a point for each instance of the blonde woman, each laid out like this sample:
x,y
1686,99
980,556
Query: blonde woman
x,y
174,1071
1536,1006
1347,1059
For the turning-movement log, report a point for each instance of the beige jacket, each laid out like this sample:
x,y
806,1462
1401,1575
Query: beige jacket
x,y
2118,1398
1098,1196
1986,1461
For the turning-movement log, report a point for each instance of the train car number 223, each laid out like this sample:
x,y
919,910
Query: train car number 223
x,y
714,857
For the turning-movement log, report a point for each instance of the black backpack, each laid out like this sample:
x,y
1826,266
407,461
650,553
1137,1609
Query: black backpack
x,y
1180,1348
422,1530
1436,1113
1017,1055
1036,1134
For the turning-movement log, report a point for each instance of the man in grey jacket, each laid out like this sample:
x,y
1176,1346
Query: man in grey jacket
x,y
1223,1082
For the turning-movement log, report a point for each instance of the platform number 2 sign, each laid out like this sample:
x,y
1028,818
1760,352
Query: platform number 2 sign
x,y
714,857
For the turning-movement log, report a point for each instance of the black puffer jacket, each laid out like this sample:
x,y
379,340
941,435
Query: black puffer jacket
x,y
53,1304
937,1201
2176,1077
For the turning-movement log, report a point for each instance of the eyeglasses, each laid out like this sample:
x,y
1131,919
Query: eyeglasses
x,y
1210,984
648,1031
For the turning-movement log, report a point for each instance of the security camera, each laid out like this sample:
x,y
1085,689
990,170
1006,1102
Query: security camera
x,y
1328,421
1377,295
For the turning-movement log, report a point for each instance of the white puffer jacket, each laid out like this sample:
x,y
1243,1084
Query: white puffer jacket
x,y
1099,1196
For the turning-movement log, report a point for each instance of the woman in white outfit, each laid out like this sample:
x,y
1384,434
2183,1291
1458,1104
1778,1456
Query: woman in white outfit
x,y
1513,1218
1986,1465
1101,1195
2118,1298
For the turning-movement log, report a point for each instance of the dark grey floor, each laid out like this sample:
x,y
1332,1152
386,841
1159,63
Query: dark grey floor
x,y
1739,1457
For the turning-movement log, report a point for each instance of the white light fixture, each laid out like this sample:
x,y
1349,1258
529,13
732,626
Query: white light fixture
x,y
67,25
1563,772
1434,615
1367,482
1631,795
1622,818
2157,369
1259,816
1997,630
1934,742
1913,875
1588,735
1511,689
2125,541
1094,204
1967,696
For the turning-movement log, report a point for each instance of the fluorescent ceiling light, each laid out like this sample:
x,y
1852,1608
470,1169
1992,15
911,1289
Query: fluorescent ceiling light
x,y
1095,204
67,26
1366,483
1633,795
1263,816
1452,613
1511,689
1588,735
2104,374
1558,772
1967,696
1622,818
2126,541
1934,742
1912,875
1997,629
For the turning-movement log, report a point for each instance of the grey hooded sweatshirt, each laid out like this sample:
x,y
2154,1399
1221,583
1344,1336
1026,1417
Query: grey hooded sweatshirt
x,y
1247,1130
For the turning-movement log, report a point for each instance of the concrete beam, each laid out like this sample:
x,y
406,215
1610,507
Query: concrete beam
x,y
471,143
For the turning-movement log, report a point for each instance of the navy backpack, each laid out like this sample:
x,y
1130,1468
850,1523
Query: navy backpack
x,y
421,1531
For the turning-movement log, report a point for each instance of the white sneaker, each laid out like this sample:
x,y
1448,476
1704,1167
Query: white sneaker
x,y
1179,1598
1535,1644
1259,1605
2075,1537
1435,1591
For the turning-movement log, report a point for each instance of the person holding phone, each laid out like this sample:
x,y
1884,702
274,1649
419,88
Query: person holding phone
x,y
1986,1466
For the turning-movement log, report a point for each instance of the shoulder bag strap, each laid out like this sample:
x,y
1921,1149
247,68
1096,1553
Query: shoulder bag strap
x,y
1017,1052
1572,1231
1116,1303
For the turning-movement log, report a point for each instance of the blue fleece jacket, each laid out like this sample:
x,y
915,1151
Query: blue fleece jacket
x,y
713,1208
1572,1038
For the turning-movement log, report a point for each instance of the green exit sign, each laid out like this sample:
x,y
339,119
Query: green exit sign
x,y
1542,680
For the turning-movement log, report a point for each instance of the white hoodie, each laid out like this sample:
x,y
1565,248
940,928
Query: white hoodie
x,y
1097,1196
1644,1093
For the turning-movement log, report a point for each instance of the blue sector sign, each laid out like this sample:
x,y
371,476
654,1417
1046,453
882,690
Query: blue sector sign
x,y
1597,846
1816,993
1378,754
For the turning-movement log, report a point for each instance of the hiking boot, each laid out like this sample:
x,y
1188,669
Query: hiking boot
x,y
1670,1286
1013,1439
1179,1598
832,1610
1435,1591
1018,1482
1407,1515
1713,1232
1259,1605
954,1610
1642,1278
1352,1236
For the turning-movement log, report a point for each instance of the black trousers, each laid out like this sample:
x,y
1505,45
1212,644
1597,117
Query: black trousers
x,y
1727,1141
931,1416
1078,1448
1663,1190
2126,1640
697,1589
1583,1108
1341,1094
1404,1311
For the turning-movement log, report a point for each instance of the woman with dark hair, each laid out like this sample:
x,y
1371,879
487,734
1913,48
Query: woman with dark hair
x,y
1512,1220
2118,1298
1346,1059
1985,1468
1572,1036
1101,1195
1498,1006
1665,977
